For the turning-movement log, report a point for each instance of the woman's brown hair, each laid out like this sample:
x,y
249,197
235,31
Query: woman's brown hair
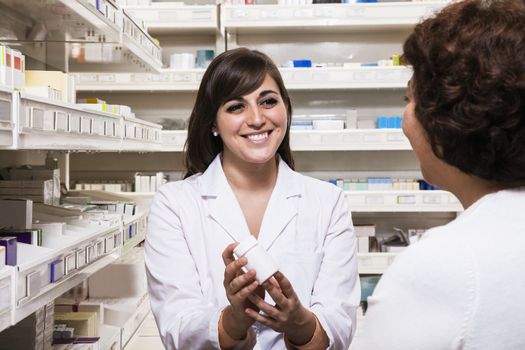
x,y
469,86
233,73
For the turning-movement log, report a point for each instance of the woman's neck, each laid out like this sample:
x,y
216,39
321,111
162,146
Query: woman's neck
x,y
468,188
250,177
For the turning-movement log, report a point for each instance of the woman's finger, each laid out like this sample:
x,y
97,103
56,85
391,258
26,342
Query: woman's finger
x,y
267,321
233,270
245,292
227,254
270,310
284,283
277,296
241,281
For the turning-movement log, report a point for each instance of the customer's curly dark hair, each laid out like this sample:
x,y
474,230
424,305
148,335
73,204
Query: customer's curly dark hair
x,y
469,86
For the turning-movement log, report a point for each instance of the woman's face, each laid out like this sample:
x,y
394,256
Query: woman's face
x,y
253,126
431,166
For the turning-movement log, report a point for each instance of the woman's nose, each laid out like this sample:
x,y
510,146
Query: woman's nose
x,y
255,118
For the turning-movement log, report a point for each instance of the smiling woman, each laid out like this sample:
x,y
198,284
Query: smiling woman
x,y
230,76
253,127
240,183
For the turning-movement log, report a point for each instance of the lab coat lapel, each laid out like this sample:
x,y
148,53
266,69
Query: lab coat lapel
x,y
223,206
282,207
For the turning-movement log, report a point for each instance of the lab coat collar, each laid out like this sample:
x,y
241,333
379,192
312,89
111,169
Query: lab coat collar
x,y
225,210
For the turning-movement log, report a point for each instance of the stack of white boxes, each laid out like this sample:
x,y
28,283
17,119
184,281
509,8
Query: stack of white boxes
x,y
363,234
146,183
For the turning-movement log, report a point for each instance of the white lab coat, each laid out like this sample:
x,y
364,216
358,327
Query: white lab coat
x,y
307,228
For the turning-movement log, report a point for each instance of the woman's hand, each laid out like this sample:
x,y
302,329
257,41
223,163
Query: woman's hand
x,y
288,315
238,286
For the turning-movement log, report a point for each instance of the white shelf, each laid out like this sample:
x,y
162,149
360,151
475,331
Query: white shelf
x,y
170,18
48,124
7,292
349,140
81,257
325,17
7,125
167,80
134,230
140,135
140,44
109,337
402,201
331,78
83,249
45,124
81,22
319,140
374,263
173,140
120,320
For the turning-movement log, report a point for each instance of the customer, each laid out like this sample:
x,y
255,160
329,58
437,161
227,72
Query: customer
x,y
462,286
240,182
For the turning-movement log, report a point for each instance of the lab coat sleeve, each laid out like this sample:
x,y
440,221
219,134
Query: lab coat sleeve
x,y
336,294
184,318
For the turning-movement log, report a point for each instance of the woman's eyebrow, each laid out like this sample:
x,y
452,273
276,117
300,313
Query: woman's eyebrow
x,y
235,98
266,92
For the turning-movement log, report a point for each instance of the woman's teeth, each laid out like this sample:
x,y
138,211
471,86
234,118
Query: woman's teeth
x,y
258,137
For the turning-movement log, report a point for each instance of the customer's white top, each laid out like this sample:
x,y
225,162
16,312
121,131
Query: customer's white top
x,y
461,287
307,229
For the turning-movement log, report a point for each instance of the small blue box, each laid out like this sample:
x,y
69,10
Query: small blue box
x,y
391,122
382,122
302,63
57,270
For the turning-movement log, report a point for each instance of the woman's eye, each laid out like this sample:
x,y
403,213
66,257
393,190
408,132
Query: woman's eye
x,y
406,99
269,102
234,108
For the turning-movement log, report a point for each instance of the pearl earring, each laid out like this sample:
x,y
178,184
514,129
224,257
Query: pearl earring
x,y
215,133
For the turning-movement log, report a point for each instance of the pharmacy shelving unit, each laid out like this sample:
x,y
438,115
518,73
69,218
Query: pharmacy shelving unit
x,y
329,78
135,230
37,123
7,124
7,292
43,273
140,135
87,24
325,17
121,318
319,140
402,201
166,80
174,18
56,125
